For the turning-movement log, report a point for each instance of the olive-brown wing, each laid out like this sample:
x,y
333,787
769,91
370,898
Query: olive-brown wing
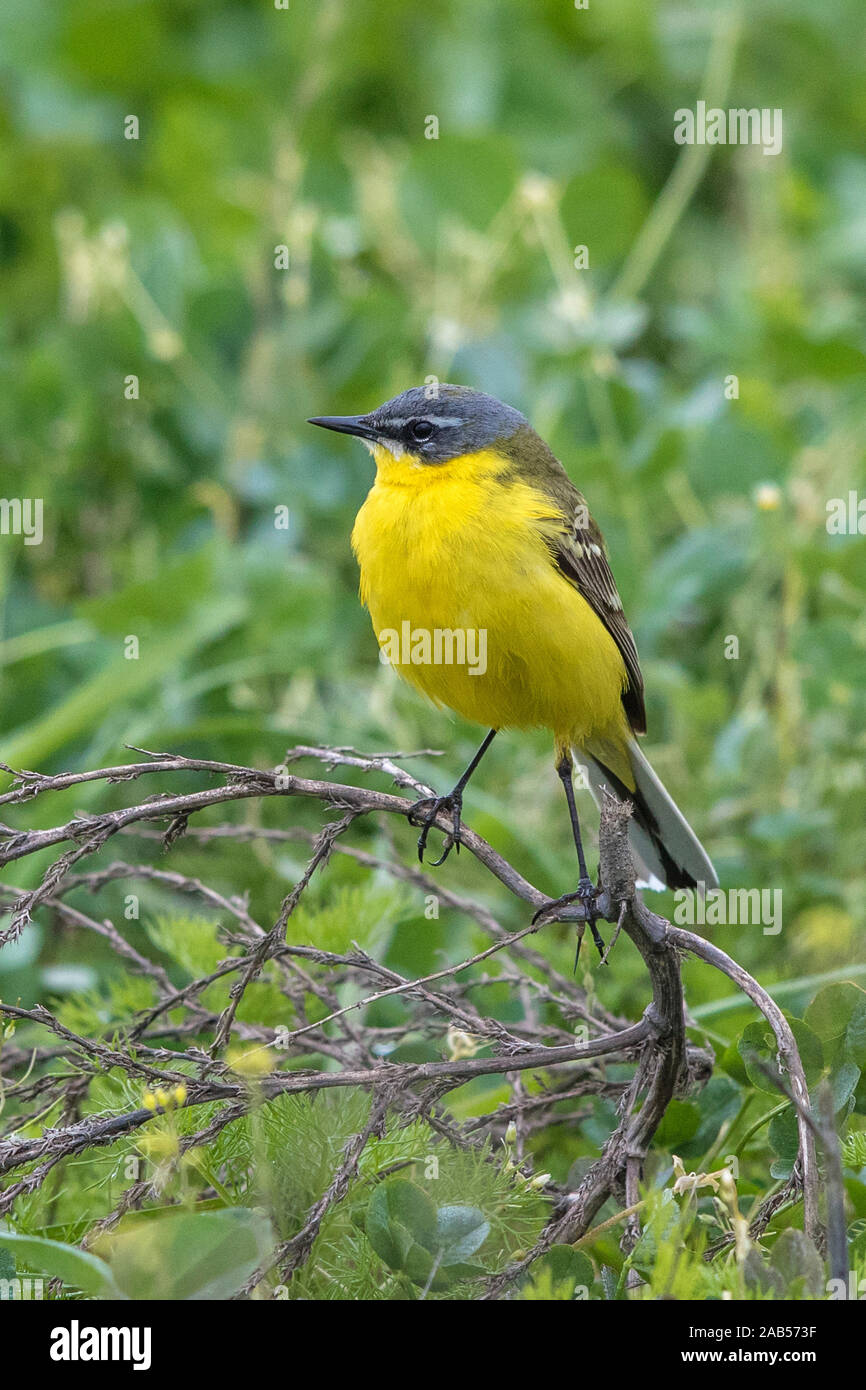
x,y
579,554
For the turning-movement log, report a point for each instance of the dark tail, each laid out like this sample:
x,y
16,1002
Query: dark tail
x,y
666,850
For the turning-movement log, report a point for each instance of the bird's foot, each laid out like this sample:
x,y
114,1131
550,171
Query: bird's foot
x,y
586,895
424,813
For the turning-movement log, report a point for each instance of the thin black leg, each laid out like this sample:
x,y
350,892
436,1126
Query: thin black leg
x,y
460,786
564,769
585,890
425,811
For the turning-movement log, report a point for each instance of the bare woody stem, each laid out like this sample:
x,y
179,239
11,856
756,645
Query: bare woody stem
x,y
666,1063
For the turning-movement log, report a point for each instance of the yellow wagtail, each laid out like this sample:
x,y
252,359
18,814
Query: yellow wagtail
x,y
473,528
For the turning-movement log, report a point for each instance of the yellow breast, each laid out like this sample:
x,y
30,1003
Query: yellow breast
x,y
468,605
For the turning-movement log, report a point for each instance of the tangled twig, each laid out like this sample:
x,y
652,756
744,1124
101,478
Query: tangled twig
x,y
666,1063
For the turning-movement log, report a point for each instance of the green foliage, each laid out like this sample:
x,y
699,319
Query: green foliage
x,y
431,1244
190,941
121,996
758,1048
854,1149
188,1255
420,1219
180,1256
410,257
365,913
58,1261
452,1199
796,1269
561,1275
838,1016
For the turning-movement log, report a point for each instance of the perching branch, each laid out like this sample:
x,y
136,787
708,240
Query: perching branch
x,y
666,1064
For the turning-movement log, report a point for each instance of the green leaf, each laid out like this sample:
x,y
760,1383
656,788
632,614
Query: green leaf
x,y
409,1233
838,1014
460,1231
718,1102
781,1168
797,1261
731,1061
399,1216
783,1135
758,1048
557,1274
391,1241
465,1271
77,1268
759,1275
680,1123
419,1267
843,1084
189,1256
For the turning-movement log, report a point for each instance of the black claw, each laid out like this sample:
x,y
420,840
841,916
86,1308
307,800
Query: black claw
x,y
424,813
449,845
547,908
586,894
577,951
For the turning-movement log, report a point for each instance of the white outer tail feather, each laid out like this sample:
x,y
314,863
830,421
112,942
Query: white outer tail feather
x,y
680,841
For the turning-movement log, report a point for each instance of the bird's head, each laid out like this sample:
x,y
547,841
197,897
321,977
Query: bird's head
x,y
431,424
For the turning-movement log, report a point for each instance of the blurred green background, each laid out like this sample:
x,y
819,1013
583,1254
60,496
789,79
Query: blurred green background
x,y
305,128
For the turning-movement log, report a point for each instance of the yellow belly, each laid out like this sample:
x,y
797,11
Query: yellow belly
x,y
447,549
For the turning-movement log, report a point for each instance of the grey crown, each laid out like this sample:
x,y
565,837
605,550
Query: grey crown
x,y
462,421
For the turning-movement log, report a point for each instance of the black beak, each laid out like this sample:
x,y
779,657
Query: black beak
x,y
346,424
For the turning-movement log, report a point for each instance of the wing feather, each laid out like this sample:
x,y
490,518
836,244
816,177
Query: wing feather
x,y
579,553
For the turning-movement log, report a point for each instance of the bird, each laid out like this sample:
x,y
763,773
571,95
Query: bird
x,y
473,526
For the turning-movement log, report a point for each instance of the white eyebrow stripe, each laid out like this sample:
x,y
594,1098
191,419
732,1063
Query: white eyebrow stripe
x,y
447,421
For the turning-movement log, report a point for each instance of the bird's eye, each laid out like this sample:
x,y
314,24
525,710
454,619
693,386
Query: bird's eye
x,y
420,430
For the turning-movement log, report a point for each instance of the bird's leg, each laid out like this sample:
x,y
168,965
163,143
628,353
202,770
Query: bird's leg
x,y
425,811
586,890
